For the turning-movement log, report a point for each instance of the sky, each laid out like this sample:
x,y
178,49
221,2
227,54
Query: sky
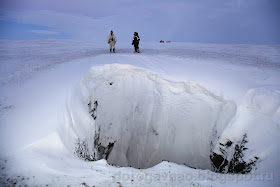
x,y
200,21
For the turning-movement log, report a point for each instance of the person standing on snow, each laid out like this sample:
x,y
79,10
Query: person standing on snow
x,y
135,42
112,39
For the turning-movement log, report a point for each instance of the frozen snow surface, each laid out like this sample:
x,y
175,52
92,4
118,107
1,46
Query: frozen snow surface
x,y
177,114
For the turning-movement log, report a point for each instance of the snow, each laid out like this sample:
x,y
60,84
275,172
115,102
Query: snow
x,y
166,103
154,115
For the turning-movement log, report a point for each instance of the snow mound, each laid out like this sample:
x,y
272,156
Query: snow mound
x,y
132,117
251,140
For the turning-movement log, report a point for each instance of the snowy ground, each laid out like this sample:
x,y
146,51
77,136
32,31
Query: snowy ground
x,y
46,87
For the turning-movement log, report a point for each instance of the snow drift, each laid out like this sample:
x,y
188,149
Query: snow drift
x,y
134,118
131,117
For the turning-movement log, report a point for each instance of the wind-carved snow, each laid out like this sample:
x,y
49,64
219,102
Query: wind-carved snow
x,y
251,139
134,118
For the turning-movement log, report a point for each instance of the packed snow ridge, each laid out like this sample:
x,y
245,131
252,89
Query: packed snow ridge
x,y
132,117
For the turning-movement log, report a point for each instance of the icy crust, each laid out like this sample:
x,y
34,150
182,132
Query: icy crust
x,y
134,118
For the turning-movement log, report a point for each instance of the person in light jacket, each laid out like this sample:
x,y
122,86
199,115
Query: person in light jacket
x,y
135,42
112,39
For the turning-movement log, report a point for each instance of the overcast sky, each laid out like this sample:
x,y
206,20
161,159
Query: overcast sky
x,y
204,21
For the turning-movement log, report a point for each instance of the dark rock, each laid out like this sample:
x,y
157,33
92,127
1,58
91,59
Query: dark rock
x,y
219,162
236,164
229,143
109,149
81,150
85,184
93,109
96,104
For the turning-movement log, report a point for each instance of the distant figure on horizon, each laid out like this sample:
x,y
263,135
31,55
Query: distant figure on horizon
x,y
135,42
112,39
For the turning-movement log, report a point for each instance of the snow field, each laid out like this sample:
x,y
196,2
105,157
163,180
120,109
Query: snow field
x,y
187,101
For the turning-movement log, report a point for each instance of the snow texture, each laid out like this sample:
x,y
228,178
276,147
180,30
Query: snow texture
x,y
69,108
147,118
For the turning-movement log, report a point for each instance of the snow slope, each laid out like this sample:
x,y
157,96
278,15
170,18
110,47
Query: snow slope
x,y
178,102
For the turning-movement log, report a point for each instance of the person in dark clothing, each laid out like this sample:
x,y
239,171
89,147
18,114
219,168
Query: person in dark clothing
x,y
135,42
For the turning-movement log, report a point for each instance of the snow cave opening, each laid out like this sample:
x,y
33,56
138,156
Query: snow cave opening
x,y
134,118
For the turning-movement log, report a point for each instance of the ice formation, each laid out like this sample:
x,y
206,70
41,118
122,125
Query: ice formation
x,y
132,117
